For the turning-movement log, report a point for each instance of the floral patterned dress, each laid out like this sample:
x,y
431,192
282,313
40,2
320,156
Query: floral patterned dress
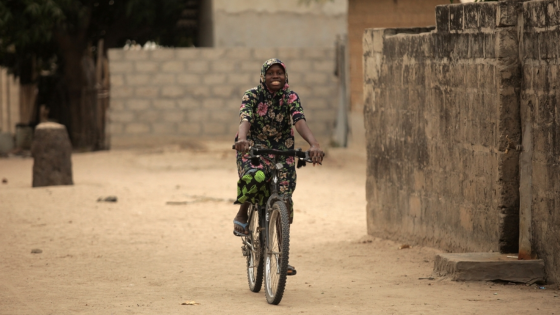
x,y
271,117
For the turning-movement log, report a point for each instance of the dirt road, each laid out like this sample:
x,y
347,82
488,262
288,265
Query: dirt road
x,y
141,255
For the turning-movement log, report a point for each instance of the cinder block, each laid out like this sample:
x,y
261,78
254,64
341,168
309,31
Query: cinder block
x,y
214,129
190,129
117,105
173,116
225,116
149,116
214,79
238,53
163,79
289,53
137,104
136,79
300,66
146,91
316,78
173,66
197,116
250,66
213,103
197,91
136,54
223,91
223,66
116,80
212,53
323,65
121,67
116,128
241,79
121,91
137,128
188,79
115,54
189,103
162,54
164,128
163,104
187,53
122,116
172,91
265,53
442,18
314,53
197,66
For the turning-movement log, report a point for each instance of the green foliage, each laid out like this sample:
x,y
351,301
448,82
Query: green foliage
x,y
31,30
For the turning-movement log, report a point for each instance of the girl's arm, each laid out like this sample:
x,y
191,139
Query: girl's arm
x,y
315,152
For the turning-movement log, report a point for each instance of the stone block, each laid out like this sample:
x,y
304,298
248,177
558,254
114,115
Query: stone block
x,y
188,103
137,128
265,53
314,53
163,104
147,91
213,103
51,151
164,79
489,267
137,79
162,54
222,66
190,129
238,53
225,116
323,66
241,79
316,78
197,116
472,12
189,79
507,13
137,104
164,128
146,66
251,66
117,105
224,91
214,79
121,91
173,66
149,116
116,128
212,53
172,91
442,18
197,66
117,80
301,66
487,15
136,54
122,116
188,53
289,53
173,116
456,17
197,91
119,66
213,129
115,54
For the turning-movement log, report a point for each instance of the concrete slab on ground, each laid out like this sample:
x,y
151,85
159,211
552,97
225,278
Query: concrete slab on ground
x,y
488,267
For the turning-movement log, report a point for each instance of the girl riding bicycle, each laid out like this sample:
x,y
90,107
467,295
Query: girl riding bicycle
x,y
266,114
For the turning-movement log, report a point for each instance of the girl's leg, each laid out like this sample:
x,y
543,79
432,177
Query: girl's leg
x,y
241,217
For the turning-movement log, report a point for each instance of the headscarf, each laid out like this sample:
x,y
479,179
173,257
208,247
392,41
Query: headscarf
x,y
263,89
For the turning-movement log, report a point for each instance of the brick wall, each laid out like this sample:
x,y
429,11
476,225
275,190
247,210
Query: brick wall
x,y
440,114
170,94
363,14
540,116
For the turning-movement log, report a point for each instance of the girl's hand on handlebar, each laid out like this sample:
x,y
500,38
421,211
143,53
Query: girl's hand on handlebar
x,y
316,154
242,146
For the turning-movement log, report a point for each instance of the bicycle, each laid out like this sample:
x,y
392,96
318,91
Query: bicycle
x,y
267,245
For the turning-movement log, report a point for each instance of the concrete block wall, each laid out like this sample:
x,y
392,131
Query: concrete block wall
x,y
167,94
540,116
441,118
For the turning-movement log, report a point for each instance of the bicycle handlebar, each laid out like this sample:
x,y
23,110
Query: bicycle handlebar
x,y
302,155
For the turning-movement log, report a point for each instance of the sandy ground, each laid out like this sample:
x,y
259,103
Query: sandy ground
x,y
143,256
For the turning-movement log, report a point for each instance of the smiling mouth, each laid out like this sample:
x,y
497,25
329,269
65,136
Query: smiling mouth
x,y
275,82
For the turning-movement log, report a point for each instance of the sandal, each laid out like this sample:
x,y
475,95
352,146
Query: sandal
x,y
291,271
243,225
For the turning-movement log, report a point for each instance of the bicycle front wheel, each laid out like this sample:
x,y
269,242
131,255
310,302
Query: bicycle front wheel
x,y
255,257
277,253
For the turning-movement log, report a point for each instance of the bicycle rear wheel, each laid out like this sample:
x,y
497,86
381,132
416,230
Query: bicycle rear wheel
x,y
255,257
277,253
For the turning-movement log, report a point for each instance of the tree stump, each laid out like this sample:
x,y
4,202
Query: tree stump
x,y
51,151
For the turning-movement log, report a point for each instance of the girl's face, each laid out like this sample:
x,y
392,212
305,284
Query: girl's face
x,y
275,78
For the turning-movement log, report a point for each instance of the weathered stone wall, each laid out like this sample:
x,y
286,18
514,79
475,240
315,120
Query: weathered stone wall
x,y
540,116
441,118
364,14
196,92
